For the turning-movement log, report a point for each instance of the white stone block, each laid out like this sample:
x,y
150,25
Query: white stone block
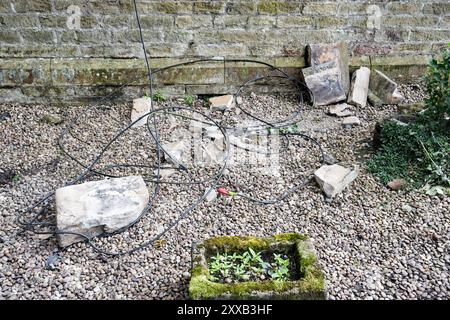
x,y
359,87
334,178
222,103
141,106
95,207
351,121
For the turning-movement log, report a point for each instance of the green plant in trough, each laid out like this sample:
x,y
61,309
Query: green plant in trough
x,y
419,151
281,268
248,265
306,279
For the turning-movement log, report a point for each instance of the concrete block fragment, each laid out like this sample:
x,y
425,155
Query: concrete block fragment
x,y
334,178
175,151
95,207
317,54
351,121
340,110
141,106
384,88
222,103
359,87
325,83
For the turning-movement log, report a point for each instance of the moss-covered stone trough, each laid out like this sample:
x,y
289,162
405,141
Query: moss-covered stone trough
x,y
309,284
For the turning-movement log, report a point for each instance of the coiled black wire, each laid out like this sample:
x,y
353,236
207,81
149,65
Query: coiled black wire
x,y
41,206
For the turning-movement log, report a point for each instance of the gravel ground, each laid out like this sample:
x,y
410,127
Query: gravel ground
x,y
372,243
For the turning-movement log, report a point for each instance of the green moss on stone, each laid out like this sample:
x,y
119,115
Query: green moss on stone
x,y
235,243
199,271
306,256
202,288
172,7
289,237
270,7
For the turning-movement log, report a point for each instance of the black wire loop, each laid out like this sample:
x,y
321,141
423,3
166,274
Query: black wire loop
x,y
39,210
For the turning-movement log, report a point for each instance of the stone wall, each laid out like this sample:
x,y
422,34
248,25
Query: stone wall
x,y
71,51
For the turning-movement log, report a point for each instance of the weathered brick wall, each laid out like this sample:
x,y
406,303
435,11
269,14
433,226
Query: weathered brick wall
x,y
47,53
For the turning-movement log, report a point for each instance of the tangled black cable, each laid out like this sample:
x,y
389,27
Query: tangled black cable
x,y
40,209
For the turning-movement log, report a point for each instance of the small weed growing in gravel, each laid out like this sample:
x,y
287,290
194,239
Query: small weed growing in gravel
x,y
8,176
205,101
248,265
419,151
158,96
291,129
16,178
189,100
159,244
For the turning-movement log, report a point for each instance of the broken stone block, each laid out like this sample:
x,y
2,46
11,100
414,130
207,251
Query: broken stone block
x,y
340,110
345,113
384,88
95,207
332,179
325,82
141,106
222,103
351,121
359,87
321,53
213,153
214,134
175,150
196,126
374,100
337,108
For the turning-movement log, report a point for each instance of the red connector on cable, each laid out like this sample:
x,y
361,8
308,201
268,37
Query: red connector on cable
x,y
225,192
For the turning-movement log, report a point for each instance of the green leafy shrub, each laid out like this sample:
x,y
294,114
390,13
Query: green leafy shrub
x,y
419,151
438,88
412,152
